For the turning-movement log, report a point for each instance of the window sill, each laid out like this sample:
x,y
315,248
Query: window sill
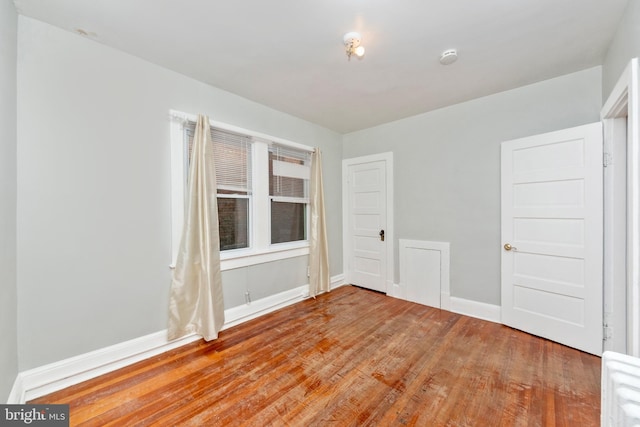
x,y
239,258
242,258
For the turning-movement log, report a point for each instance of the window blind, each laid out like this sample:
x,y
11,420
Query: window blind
x,y
289,172
232,158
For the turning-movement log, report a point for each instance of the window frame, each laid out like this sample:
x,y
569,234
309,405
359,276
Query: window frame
x,y
260,248
306,200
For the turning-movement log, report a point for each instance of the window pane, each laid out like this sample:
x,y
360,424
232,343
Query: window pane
x,y
233,217
232,158
288,173
288,222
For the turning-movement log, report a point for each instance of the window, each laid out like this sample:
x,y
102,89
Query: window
x,y
262,192
289,171
232,158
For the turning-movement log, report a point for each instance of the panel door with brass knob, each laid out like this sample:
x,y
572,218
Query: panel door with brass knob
x,y
552,236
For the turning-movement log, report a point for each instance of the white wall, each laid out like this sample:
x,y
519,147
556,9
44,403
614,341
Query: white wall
x,y
94,191
625,46
8,313
447,169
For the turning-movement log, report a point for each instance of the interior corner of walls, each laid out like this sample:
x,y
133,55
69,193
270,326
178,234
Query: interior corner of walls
x,y
337,281
445,301
624,46
55,376
17,394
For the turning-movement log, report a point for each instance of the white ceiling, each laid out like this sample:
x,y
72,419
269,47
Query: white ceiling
x,y
288,54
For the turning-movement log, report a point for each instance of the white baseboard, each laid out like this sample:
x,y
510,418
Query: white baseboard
x,y
55,376
445,301
58,375
237,315
16,395
337,281
479,310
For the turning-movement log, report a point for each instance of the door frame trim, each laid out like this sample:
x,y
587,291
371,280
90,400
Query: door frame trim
x,y
389,230
624,97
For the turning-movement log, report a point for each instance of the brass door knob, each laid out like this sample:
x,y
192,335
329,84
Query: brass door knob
x,y
508,247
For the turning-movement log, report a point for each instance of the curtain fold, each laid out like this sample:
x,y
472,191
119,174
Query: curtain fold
x,y
319,280
196,303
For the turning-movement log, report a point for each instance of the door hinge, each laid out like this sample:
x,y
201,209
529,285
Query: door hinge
x,y
607,333
607,328
606,159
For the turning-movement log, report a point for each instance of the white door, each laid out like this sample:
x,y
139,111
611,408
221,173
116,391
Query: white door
x,y
552,232
366,227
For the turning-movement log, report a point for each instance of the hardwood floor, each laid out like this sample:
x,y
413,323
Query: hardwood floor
x,y
350,358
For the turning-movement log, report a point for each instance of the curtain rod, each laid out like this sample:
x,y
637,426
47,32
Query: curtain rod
x,y
181,117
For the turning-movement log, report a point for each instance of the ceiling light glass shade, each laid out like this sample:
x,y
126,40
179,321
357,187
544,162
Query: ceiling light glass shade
x,y
352,45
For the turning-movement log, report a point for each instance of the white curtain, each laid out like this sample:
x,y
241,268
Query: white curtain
x,y
196,304
319,279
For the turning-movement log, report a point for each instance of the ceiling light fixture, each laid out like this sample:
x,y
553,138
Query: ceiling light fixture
x,y
352,45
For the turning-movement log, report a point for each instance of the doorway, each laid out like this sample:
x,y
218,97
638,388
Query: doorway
x,y
620,117
367,200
